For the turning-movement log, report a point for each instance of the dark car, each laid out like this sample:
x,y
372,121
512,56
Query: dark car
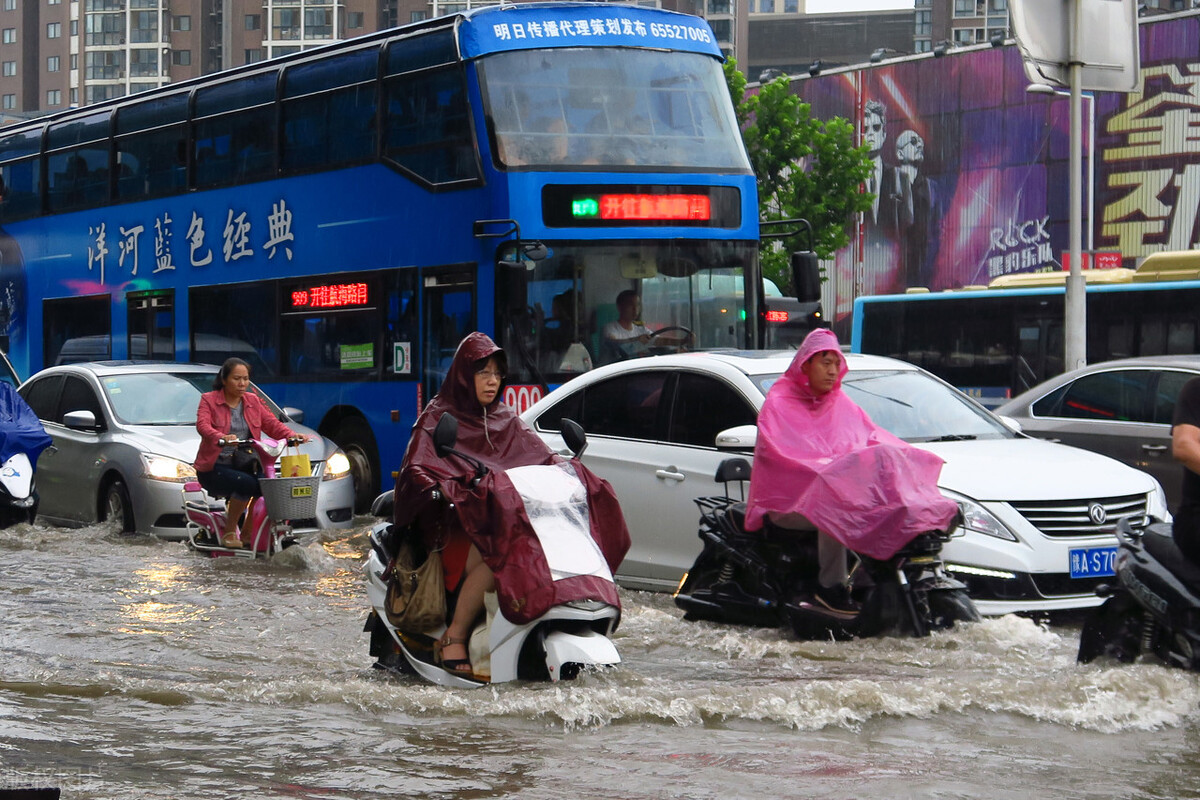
x,y
1121,409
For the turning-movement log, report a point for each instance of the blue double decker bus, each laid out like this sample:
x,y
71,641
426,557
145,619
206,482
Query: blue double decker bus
x,y
342,217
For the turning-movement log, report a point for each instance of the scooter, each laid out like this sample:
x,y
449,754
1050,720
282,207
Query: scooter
x,y
767,578
1153,606
22,440
267,529
557,645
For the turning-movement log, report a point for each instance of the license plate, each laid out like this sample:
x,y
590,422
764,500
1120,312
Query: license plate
x,y
1093,562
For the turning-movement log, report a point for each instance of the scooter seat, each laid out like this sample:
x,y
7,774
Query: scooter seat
x,y
1160,545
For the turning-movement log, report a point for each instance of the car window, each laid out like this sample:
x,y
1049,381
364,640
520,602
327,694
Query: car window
x,y
626,405
705,406
42,396
1114,395
919,408
153,398
1169,384
77,395
571,407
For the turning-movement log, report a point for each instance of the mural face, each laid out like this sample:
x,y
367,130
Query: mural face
x,y
972,172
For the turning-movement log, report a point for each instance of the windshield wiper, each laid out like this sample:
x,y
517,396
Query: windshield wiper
x,y
954,437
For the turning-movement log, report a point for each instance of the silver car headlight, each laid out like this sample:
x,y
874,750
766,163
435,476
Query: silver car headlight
x,y
161,468
978,519
336,466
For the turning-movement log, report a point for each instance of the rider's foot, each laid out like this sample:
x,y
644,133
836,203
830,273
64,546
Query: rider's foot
x,y
836,599
448,652
232,541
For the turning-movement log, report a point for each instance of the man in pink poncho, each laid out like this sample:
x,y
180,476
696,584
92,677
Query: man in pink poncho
x,y
820,462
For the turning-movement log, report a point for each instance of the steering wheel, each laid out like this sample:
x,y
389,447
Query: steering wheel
x,y
672,329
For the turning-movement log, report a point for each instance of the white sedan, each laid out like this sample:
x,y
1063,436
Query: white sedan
x,y
1040,517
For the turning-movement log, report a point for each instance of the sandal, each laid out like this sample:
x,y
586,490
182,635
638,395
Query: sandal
x,y
456,666
231,541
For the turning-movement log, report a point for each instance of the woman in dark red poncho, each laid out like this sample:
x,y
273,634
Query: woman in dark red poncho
x,y
487,430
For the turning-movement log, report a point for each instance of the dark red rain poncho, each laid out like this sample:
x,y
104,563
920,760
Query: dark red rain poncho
x,y
492,515
820,455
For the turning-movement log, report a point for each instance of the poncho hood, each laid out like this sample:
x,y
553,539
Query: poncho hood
x,y
821,456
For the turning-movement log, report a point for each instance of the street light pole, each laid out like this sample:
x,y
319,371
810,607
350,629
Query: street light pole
x,y
1075,316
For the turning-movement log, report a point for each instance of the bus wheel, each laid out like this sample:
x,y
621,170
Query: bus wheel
x,y
357,442
117,509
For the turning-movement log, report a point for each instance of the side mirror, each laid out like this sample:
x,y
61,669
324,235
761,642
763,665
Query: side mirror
x,y
806,276
1010,423
293,414
445,435
80,420
383,505
743,437
573,435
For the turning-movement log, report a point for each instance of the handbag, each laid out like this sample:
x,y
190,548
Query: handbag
x,y
416,595
295,465
244,459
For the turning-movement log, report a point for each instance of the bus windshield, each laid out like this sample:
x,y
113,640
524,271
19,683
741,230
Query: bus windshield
x,y
640,110
556,317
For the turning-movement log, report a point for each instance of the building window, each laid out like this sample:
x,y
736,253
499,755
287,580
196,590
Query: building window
x,y
53,30
968,35
964,8
318,23
181,23
924,23
417,16
254,56
718,7
74,97
10,35
53,63
181,58
996,6
10,5
9,101
922,45
253,22
54,97
791,6
722,29
75,61
74,27
354,20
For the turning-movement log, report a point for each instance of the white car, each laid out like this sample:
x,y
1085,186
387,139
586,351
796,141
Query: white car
x,y
1040,517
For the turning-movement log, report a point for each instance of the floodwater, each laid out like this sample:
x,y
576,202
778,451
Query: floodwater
x,y
131,668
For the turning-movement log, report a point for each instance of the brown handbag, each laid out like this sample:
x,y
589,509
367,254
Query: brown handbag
x,y
416,595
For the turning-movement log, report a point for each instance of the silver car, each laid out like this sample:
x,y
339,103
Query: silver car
x,y
124,442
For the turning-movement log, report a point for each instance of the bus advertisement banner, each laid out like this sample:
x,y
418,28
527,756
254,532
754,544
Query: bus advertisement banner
x,y
590,25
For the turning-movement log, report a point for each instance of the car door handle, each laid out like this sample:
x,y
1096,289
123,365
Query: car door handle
x,y
1154,448
671,474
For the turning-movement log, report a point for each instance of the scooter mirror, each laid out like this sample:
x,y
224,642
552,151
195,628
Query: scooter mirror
x,y
573,435
445,435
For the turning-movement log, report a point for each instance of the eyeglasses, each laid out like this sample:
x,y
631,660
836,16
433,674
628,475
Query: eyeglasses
x,y
489,374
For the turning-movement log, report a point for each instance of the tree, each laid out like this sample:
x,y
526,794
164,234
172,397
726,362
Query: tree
x,y
805,168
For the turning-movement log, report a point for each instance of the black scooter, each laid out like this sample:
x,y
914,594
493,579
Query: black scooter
x,y
767,578
1154,605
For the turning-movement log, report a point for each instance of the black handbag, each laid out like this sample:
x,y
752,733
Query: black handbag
x,y
244,460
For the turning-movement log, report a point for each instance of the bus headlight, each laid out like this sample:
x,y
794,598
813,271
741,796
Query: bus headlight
x,y
336,466
161,468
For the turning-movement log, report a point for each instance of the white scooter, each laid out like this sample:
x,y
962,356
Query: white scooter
x,y
24,439
554,646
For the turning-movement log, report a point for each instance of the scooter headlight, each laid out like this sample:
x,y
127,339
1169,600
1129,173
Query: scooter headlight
x,y
336,466
978,519
161,468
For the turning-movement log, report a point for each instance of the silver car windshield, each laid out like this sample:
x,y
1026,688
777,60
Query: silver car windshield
x,y
161,398
915,407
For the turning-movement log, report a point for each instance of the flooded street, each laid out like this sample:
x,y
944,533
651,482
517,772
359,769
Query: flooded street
x,y
131,668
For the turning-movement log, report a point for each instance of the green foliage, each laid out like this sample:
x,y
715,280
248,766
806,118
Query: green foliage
x,y
805,167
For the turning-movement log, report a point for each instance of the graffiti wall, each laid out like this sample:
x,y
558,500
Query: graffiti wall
x,y
972,171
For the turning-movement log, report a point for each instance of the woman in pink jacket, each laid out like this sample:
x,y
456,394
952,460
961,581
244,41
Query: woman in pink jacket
x,y
226,414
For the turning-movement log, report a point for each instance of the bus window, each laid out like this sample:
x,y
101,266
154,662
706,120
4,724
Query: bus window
x,y
152,147
427,126
329,111
235,320
77,329
151,325
235,131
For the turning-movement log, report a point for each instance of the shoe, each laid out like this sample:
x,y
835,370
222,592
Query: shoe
x,y
456,666
836,599
231,541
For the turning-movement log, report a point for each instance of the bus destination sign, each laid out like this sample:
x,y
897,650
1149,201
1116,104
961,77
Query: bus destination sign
x,y
335,295
684,207
591,206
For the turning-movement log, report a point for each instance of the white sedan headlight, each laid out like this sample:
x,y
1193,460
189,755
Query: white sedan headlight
x,y
978,519
161,468
1156,504
336,466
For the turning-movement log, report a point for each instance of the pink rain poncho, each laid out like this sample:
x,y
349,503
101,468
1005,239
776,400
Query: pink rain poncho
x,y
821,456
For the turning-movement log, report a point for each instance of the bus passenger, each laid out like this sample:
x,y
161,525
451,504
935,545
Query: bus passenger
x,y
228,413
488,430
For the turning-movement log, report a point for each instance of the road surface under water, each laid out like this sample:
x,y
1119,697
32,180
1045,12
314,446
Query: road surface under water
x,y
131,668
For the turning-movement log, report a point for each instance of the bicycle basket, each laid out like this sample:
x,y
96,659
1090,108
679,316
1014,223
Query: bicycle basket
x,y
290,498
